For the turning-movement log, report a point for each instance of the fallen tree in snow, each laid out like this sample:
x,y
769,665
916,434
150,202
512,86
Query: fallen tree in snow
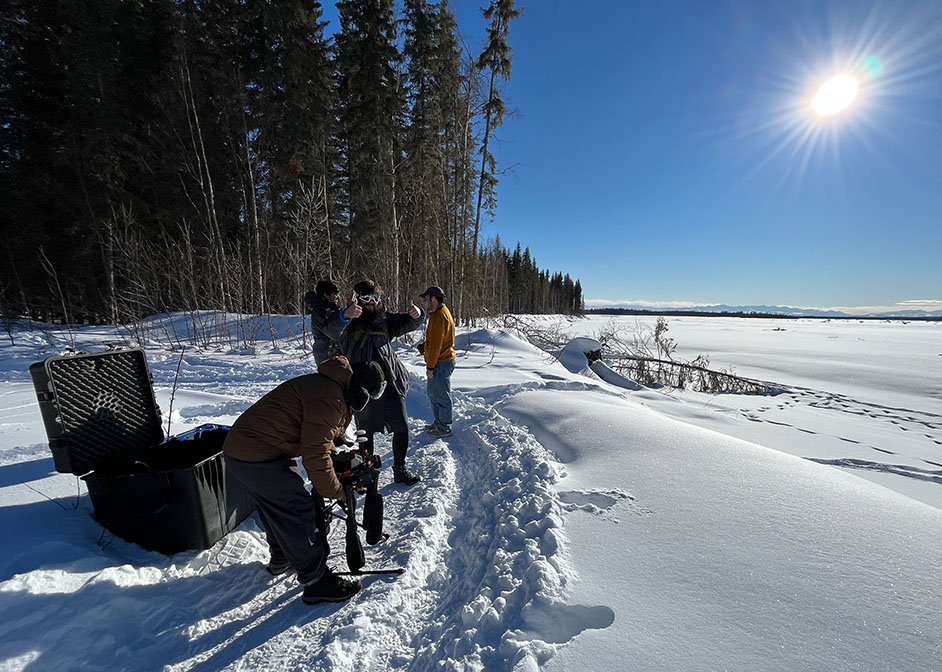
x,y
644,355
647,357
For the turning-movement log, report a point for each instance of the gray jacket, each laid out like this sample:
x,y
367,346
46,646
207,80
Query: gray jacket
x,y
321,311
364,339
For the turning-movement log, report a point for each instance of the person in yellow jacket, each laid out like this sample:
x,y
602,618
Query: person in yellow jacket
x,y
439,360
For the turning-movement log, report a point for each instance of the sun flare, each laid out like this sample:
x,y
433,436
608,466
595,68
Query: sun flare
x,y
835,95
822,94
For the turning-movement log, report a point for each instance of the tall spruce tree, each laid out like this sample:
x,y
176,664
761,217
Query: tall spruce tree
x,y
76,81
431,138
496,61
294,97
290,146
370,115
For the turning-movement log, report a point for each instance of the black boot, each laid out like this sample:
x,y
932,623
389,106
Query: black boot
x,y
404,476
330,588
400,445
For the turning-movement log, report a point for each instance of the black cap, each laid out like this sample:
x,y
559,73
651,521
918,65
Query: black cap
x,y
434,291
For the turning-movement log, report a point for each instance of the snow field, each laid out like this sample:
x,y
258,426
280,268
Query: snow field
x,y
573,521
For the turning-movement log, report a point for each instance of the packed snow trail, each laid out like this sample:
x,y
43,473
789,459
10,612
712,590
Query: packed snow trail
x,y
484,515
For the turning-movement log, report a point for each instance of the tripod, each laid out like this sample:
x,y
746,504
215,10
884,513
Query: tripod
x,y
363,472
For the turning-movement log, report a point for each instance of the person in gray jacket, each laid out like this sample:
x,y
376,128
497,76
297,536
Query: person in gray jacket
x,y
365,332
324,304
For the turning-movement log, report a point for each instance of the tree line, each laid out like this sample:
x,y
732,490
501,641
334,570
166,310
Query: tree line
x,y
180,155
680,312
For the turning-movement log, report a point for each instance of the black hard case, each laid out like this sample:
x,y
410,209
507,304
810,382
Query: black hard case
x,y
103,424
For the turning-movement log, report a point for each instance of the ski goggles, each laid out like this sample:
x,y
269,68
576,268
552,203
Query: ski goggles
x,y
369,298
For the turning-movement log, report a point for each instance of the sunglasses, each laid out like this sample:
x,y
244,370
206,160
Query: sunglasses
x,y
370,298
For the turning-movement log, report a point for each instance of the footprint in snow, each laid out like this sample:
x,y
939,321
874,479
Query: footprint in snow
x,y
558,624
591,500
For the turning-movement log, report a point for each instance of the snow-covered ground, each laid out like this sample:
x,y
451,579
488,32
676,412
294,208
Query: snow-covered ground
x,y
569,523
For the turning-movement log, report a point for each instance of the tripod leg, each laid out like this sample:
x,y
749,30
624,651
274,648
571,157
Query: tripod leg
x,y
393,570
354,549
373,512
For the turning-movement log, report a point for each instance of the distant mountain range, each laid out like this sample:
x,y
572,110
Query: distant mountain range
x,y
774,310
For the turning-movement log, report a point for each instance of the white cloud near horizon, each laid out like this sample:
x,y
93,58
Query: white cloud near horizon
x,y
643,302
933,302
909,304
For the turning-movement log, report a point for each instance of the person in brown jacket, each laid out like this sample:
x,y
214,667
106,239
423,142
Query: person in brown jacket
x,y
440,356
300,418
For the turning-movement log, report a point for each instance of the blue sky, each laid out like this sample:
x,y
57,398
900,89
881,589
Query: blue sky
x,y
667,152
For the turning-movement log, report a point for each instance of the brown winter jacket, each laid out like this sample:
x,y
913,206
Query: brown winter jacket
x,y
299,418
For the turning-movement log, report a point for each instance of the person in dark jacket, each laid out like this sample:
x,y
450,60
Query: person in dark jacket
x,y
365,332
300,418
324,303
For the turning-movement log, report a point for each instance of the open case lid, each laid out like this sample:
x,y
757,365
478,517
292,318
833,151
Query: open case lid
x,y
97,407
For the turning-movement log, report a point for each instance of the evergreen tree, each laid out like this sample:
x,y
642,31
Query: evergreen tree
x,y
190,154
432,162
291,95
496,60
370,117
75,78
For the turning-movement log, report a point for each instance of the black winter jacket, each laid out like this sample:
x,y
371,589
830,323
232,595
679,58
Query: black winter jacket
x,y
368,338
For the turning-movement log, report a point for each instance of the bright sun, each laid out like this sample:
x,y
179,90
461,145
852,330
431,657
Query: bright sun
x,y
835,95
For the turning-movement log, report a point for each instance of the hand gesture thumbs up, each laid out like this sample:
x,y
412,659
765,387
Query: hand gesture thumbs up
x,y
353,308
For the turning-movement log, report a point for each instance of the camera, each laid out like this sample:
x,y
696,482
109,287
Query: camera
x,y
355,468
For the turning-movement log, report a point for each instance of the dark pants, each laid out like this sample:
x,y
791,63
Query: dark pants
x,y
287,512
400,445
386,413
